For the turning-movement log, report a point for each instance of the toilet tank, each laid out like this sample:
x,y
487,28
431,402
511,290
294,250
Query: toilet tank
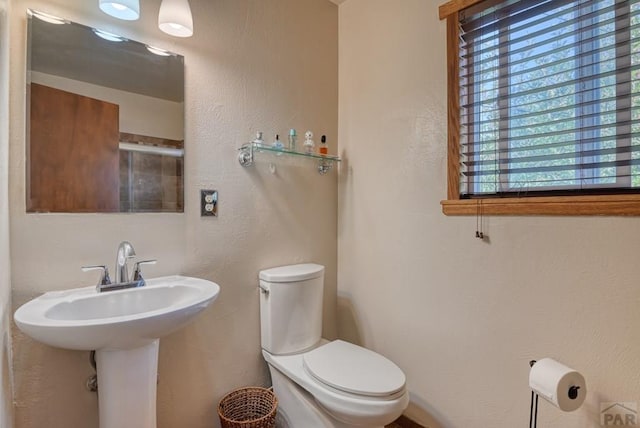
x,y
291,308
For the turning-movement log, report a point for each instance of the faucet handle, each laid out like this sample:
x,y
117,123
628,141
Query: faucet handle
x,y
105,279
137,271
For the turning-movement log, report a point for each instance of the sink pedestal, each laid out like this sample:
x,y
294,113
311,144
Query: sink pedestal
x,y
127,381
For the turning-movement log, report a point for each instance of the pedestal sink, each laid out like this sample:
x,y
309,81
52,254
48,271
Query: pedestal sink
x,y
124,328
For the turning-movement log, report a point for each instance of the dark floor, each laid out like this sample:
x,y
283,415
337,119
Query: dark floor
x,y
404,422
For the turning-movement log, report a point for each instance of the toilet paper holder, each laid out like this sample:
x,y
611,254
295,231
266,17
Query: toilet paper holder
x,y
533,414
572,394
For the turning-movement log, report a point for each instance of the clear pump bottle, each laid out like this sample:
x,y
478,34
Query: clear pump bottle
x,y
309,145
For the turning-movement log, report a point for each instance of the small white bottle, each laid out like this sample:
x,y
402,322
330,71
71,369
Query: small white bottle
x,y
259,141
309,145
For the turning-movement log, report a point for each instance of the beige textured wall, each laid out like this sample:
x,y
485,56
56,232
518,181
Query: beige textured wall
x,y
462,317
6,401
251,65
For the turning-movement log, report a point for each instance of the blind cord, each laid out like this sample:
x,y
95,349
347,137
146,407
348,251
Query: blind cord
x,y
479,227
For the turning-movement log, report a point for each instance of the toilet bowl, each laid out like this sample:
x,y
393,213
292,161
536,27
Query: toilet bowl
x,y
321,383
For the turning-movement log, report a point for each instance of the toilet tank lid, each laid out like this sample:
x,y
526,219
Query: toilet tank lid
x,y
292,273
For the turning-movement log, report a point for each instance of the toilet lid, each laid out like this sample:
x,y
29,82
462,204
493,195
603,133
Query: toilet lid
x,y
354,369
293,273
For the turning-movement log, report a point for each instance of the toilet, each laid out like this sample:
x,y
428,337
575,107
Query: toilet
x,y
321,383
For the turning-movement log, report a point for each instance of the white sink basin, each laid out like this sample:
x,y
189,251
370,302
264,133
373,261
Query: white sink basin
x,y
124,327
84,319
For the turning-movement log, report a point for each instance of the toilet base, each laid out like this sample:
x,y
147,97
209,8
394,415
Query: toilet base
x,y
298,408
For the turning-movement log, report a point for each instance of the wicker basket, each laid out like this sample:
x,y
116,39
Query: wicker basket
x,y
251,407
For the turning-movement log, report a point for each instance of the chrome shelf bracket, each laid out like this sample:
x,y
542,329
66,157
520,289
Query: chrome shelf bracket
x,y
245,154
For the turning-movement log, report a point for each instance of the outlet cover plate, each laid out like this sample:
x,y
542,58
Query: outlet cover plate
x,y
208,203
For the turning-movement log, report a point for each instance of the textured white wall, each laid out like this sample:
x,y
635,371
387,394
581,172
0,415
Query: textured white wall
x,y
251,65
462,317
6,402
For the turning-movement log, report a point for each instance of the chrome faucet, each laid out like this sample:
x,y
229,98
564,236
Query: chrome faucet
x,y
125,252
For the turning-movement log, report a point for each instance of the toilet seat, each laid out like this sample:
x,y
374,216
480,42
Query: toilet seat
x,y
352,369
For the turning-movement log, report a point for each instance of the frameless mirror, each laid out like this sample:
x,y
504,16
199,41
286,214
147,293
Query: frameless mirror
x,y
105,121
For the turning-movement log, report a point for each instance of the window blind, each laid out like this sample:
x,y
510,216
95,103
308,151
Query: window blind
x,y
549,97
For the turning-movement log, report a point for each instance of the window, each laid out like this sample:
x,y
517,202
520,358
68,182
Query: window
x,y
544,106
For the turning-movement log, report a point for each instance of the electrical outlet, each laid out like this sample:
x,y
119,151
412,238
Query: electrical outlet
x,y
208,203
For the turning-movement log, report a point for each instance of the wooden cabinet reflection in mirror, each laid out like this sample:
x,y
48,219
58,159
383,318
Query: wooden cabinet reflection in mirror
x,y
78,161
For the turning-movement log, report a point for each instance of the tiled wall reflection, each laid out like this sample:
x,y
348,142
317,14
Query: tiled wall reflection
x,y
150,183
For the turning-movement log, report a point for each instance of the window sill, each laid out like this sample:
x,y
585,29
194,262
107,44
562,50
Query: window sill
x,y
609,205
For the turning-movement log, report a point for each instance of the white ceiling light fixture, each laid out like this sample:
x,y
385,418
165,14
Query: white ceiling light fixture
x,y
47,17
129,10
108,36
175,18
158,51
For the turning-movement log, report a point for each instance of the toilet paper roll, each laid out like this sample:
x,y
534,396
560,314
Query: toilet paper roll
x,y
556,383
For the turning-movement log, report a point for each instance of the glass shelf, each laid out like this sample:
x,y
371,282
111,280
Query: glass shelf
x,y
248,152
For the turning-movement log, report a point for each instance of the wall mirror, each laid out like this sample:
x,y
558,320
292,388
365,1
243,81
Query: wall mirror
x,y
105,121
